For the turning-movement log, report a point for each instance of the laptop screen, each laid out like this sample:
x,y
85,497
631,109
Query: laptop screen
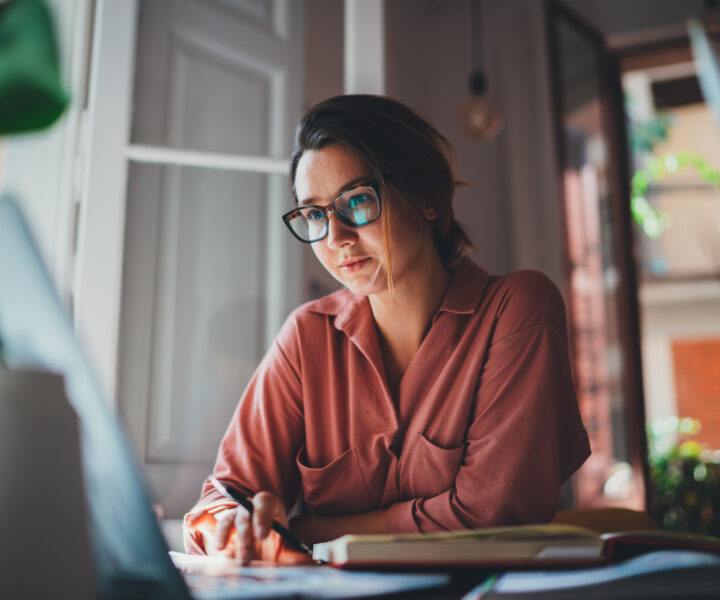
x,y
35,332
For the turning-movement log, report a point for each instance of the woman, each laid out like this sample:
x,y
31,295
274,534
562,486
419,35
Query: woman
x,y
426,395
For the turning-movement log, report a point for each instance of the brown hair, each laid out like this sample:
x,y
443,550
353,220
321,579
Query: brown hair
x,y
410,160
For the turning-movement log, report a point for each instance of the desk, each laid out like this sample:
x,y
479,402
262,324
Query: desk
x,y
682,574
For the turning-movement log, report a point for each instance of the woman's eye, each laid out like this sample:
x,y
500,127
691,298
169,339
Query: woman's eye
x,y
315,215
357,200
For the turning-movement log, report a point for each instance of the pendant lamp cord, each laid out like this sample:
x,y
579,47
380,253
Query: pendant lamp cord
x,y
476,31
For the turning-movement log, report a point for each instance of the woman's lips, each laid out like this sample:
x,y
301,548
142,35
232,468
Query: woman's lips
x,y
353,265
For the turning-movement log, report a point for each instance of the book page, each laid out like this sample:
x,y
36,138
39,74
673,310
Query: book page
x,y
520,532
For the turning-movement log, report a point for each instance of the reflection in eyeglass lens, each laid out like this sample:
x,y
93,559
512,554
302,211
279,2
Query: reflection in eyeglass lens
x,y
356,207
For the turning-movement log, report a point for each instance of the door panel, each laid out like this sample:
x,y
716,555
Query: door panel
x,y
234,118
207,276
602,307
215,78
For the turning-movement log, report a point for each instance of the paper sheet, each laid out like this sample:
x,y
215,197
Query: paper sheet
x,y
216,578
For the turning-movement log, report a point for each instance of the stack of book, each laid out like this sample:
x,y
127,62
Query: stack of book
x,y
542,562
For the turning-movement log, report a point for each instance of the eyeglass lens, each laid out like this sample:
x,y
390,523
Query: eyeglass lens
x,y
356,207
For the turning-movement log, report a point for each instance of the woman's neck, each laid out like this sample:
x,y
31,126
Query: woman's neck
x,y
403,318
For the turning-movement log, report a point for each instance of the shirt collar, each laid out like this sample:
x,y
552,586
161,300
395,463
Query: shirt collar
x,y
353,317
466,288
463,295
343,305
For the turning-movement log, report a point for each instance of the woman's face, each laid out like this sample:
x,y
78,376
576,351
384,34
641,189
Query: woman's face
x,y
355,256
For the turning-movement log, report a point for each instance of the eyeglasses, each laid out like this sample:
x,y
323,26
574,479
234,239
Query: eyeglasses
x,y
355,207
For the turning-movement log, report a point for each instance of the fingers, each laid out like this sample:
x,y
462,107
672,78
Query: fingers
x,y
237,534
253,529
267,508
192,517
245,550
223,528
216,529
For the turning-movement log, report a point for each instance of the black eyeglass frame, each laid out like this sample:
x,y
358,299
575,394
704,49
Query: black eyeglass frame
x,y
330,208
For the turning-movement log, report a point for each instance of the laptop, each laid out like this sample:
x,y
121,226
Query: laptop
x,y
130,555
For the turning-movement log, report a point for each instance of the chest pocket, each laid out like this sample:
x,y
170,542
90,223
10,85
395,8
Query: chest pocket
x,y
336,488
427,469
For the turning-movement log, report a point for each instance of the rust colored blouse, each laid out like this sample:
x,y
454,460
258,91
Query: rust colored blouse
x,y
484,429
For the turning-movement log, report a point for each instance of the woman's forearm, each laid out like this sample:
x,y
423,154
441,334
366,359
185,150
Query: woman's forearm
x,y
315,528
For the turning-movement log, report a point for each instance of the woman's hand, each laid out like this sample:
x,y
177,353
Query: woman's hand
x,y
236,534
212,526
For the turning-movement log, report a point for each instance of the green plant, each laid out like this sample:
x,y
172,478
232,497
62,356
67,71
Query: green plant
x,y
652,221
645,134
685,478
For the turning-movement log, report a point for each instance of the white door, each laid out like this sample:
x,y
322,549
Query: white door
x,y
207,272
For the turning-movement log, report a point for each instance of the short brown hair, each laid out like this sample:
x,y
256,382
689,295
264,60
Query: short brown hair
x,y
406,154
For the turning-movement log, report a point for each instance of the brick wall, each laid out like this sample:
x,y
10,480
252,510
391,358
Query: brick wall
x,y
697,385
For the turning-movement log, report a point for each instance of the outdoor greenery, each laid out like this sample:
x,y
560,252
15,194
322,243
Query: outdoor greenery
x,y
645,134
652,221
684,474
643,137
685,478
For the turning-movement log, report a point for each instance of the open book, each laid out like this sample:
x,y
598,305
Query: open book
x,y
534,546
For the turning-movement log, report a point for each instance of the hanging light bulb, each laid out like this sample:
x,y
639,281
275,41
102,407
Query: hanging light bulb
x,y
479,117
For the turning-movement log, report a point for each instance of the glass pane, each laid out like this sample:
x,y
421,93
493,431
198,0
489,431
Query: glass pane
x,y
600,360
676,175
675,188
211,79
195,296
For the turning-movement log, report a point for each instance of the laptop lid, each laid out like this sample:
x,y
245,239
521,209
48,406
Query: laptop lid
x,y
131,555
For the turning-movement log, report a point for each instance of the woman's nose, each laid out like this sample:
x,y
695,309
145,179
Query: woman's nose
x,y
339,234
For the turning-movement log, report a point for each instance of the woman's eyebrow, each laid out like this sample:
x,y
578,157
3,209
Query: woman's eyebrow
x,y
348,186
354,183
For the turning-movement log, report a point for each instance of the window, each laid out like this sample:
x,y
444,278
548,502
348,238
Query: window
x,y
676,198
187,175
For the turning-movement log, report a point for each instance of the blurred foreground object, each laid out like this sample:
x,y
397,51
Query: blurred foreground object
x,y
31,94
47,551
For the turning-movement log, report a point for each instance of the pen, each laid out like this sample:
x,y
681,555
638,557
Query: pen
x,y
284,532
